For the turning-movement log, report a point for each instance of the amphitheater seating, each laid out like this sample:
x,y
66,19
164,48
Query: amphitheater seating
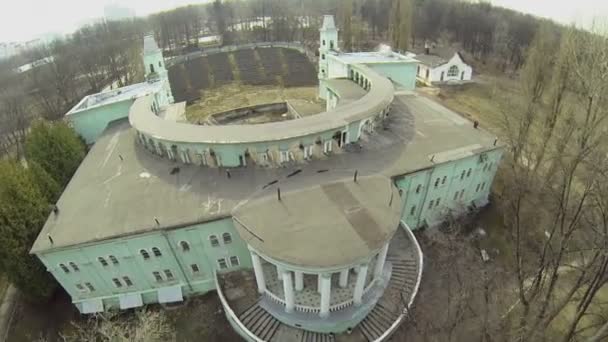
x,y
197,74
301,72
248,68
221,68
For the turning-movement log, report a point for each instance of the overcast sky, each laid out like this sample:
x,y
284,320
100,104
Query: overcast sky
x,y
24,19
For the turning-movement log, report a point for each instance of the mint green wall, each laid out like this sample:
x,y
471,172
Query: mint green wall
x,y
403,74
92,122
133,265
476,186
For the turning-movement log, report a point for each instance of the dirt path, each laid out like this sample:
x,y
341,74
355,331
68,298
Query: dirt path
x,y
7,309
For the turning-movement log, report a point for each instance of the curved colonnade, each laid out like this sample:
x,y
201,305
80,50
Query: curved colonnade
x,y
269,144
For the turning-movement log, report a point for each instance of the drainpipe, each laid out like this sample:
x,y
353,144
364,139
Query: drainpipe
x,y
179,264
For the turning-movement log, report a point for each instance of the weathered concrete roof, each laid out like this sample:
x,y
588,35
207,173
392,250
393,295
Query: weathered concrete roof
x,y
129,92
375,57
374,101
347,90
120,187
329,225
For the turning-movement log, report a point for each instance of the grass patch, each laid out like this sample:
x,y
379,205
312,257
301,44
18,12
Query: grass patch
x,y
237,95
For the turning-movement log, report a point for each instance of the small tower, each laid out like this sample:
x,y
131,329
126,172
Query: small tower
x,y
155,70
328,42
153,58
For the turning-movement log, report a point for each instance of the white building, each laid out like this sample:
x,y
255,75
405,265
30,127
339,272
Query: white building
x,y
447,67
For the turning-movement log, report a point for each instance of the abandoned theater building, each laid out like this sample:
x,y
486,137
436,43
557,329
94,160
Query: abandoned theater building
x,y
303,226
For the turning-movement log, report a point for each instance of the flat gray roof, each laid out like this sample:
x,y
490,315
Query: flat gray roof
x,y
373,102
347,90
120,188
375,57
129,92
342,222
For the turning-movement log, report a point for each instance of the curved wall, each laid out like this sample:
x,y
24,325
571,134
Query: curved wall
x,y
270,144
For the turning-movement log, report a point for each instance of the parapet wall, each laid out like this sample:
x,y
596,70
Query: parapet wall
x,y
271,144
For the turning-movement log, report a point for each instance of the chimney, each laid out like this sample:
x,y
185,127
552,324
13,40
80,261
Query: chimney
x,y
427,48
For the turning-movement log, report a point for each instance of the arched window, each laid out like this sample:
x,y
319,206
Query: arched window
x,y
64,268
184,245
214,241
74,266
227,238
144,253
453,71
102,261
156,252
113,259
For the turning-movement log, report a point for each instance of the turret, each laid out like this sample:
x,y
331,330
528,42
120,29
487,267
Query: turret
x,y
153,59
329,42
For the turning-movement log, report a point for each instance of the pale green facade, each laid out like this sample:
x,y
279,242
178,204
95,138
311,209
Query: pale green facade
x,y
92,122
123,258
402,74
431,194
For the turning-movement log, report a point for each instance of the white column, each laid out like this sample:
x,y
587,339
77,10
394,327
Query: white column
x,y
279,273
344,277
299,281
319,282
380,262
259,272
288,291
360,284
325,294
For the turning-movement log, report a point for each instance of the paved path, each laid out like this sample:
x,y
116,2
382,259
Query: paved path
x,y
7,309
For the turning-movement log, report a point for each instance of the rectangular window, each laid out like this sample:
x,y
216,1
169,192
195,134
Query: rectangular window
x,y
234,261
437,202
284,156
483,185
168,274
117,282
413,210
445,178
456,195
214,241
464,172
80,287
222,263
90,287
157,276
431,204
477,188
461,193
127,281
195,269
437,182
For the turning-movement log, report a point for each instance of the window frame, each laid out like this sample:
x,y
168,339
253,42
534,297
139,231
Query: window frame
x,y
169,275
431,204
185,246
194,269
89,286
113,259
157,252
144,254
64,268
213,238
103,261
451,70
219,263
238,261
413,210
226,241
80,288
117,283
158,276
128,281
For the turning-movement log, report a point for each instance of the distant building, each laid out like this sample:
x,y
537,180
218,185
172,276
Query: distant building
x,y
442,66
117,12
303,227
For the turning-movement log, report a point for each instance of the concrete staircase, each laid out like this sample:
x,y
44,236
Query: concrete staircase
x,y
260,322
394,301
309,336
